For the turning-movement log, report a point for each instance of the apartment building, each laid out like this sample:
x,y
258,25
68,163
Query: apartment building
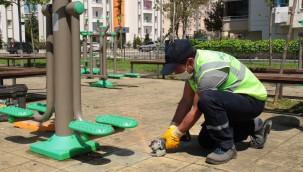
x,y
9,27
139,18
249,19
142,19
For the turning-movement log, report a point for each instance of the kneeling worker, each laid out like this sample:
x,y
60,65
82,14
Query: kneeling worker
x,y
225,91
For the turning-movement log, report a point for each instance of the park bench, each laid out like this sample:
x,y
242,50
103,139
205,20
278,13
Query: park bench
x,y
11,72
280,78
289,76
156,62
273,70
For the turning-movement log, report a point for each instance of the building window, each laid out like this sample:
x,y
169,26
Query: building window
x,y
147,4
9,39
236,9
97,1
9,7
95,27
281,3
9,24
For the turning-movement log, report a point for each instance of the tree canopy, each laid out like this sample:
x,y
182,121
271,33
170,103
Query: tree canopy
x,y
184,10
215,16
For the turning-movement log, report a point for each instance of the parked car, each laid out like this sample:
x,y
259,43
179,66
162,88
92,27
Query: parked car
x,y
96,47
14,48
148,46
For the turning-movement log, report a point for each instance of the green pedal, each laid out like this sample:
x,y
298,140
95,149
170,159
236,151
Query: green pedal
x,y
117,121
40,107
16,111
115,76
133,75
91,128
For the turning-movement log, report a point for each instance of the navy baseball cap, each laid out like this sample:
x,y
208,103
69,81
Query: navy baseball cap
x,y
175,53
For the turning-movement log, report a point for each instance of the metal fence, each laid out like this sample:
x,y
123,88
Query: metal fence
x,y
126,53
130,53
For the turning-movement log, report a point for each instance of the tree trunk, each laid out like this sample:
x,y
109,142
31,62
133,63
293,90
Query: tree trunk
x,y
31,29
20,33
279,86
270,36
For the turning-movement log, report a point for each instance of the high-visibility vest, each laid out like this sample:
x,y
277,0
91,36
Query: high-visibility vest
x,y
240,79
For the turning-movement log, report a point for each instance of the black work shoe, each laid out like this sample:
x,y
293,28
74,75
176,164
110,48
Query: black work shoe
x,y
220,156
186,137
259,138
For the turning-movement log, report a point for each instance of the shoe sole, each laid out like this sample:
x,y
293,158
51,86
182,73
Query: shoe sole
x,y
211,161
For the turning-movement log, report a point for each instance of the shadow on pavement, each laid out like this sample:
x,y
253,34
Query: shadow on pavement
x,y
281,123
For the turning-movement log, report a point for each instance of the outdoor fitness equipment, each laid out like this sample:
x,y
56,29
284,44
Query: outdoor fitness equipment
x,y
84,60
103,34
64,22
93,69
115,74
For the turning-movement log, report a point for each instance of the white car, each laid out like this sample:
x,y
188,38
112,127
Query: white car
x,y
96,47
149,46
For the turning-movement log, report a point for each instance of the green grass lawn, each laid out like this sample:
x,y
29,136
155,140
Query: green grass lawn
x,y
285,105
124,65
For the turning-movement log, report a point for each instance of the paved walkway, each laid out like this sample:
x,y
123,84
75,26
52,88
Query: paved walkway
x,y
152,102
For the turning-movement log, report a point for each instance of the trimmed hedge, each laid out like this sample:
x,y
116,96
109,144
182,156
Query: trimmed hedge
x,y
236,46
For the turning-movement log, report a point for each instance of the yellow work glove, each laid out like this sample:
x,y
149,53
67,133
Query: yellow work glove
x,y
172,140
168,131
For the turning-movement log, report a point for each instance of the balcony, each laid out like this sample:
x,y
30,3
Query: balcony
x,y
97,3
147,5
235,15
235,23
97,13
281,15
147,23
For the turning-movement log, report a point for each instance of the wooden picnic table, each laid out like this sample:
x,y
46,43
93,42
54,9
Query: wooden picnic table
x,y
13,72
273,70
280,78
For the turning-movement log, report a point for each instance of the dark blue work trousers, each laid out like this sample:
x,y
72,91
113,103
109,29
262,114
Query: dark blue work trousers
x,y
228,118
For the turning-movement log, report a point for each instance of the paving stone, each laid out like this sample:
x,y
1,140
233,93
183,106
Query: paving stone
x,y
97,164
293,146
199,168
30,167
127,157
160,164
264,167
8,160
284,160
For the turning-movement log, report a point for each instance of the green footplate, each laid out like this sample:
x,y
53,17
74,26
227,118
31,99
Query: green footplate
x,y
91,128
115,76
85,60
134,75
16,111
40,107
117,121
103,83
